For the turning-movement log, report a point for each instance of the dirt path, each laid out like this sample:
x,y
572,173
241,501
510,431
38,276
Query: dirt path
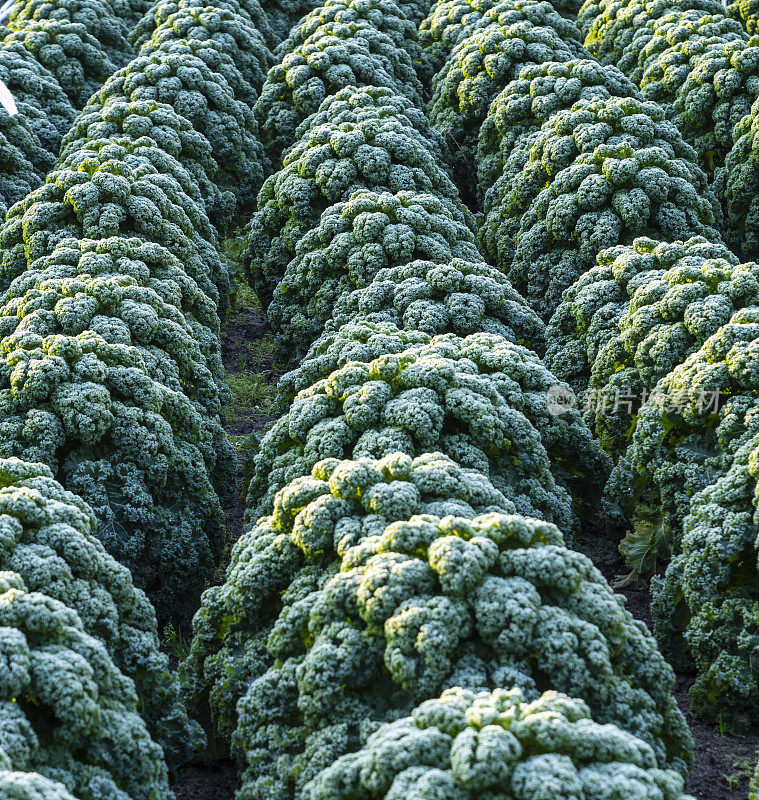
x,y
245,351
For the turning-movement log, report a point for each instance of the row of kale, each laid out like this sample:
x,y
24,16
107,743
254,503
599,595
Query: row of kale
x,y
112,291
392,572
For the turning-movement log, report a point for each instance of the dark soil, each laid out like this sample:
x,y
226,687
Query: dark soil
x,y
244,327
216,781
723,763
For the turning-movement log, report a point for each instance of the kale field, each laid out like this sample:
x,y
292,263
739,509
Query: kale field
x,y
379,400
